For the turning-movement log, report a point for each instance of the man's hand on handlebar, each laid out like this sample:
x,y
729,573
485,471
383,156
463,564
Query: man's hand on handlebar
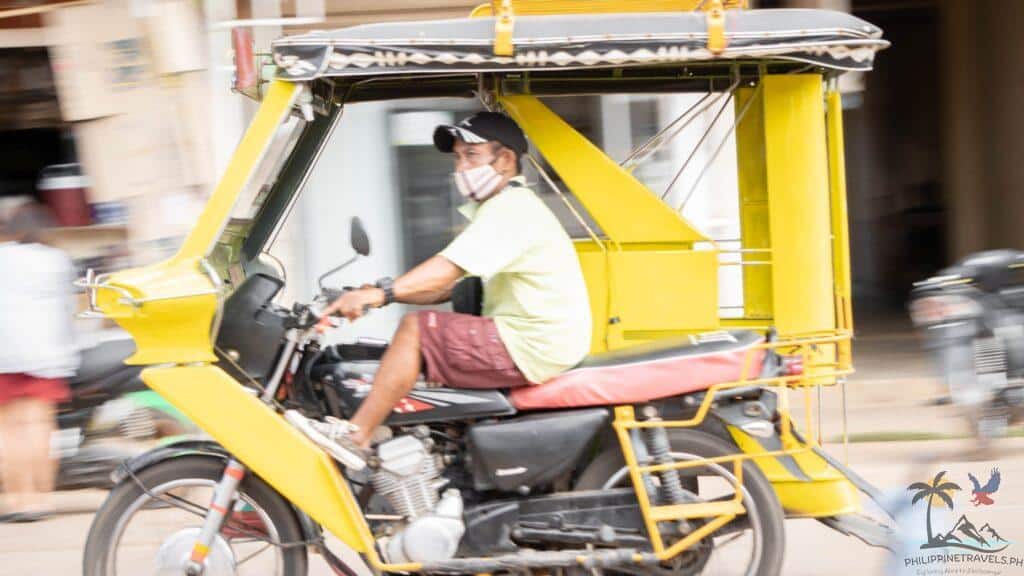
x,y
353,304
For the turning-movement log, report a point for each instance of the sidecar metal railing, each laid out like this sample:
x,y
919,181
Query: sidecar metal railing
x,y
826,361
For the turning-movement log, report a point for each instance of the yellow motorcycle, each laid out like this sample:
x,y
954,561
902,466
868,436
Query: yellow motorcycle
x,y
672,449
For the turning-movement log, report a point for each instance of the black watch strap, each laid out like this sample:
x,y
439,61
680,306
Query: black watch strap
x,y
387,284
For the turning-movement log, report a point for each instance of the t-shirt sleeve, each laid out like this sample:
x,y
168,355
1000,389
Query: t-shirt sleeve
x,y
492,242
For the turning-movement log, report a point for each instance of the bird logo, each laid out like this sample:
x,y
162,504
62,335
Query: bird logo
x,y
983,494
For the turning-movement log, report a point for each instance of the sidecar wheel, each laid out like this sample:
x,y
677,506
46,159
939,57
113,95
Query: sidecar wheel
x,y
134,532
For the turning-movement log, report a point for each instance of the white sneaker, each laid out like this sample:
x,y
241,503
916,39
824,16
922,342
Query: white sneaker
x,y
334,436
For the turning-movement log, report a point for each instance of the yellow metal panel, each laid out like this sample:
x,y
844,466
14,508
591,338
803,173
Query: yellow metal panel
x,y
594,264
264,442
840,222
273,110
773,470
656,290
800,222
827,493
173,321
753,189
622,206
817,499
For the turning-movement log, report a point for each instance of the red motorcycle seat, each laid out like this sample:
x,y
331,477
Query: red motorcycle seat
x,y
650,371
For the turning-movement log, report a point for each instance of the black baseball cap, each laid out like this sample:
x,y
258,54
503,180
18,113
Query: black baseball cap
x,y
479,128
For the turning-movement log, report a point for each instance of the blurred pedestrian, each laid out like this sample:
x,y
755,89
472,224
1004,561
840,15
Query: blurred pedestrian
x,y
37,353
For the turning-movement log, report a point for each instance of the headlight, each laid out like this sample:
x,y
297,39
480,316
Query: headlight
x,y
943,308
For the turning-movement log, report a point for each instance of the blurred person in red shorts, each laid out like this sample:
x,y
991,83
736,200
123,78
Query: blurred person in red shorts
x,y
37,353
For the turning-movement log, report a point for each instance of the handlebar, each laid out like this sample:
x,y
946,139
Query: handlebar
x,y
332,294
306,316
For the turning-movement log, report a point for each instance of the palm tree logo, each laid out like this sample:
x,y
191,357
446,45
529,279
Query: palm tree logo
x,y
963,534
932,491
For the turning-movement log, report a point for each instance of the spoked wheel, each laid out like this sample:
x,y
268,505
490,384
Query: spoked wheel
x,y
752,544
152,531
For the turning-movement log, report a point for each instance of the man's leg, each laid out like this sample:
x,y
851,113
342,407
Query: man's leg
x,y
16,459
395,379
44,468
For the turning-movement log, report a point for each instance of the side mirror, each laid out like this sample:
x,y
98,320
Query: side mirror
x,y
360,241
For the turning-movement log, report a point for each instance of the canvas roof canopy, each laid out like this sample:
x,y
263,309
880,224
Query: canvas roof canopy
x,y
576,45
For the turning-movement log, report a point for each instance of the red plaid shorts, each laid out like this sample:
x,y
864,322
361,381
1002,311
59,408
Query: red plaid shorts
x,y
465,351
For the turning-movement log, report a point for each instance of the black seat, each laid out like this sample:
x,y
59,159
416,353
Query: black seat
x,y
103,360
707,343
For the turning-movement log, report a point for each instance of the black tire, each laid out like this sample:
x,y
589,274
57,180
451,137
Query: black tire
x,y
294,559
770,515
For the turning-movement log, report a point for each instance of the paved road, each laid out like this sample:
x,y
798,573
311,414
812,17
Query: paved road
x,y
54,547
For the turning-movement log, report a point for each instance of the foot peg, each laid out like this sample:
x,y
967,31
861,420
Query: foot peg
x,y
332,436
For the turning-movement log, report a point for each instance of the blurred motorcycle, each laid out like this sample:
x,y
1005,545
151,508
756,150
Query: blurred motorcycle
x,y
111,416
972,314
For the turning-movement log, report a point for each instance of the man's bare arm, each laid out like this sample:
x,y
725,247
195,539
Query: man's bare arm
x,y
429,283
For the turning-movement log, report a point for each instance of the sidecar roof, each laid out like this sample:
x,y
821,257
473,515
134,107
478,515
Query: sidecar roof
x,y
571,43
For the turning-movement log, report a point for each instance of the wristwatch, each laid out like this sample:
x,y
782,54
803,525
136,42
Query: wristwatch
x,y
387,284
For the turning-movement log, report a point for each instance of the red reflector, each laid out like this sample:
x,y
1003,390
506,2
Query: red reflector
x,y
792,365
245,62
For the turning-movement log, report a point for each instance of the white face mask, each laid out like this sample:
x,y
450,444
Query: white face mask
x,y
477,183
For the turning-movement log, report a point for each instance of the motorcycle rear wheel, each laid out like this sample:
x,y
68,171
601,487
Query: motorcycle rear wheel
x,y
269,516
765,518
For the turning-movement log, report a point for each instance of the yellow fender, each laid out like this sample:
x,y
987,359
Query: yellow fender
x,y
266,443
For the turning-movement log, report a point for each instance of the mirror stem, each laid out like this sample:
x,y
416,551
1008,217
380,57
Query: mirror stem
x,y
320,280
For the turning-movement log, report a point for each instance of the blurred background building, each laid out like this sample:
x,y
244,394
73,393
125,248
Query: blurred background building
x,y
119,114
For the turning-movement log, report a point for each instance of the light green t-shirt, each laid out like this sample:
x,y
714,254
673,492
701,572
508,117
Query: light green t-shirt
x,y
533,286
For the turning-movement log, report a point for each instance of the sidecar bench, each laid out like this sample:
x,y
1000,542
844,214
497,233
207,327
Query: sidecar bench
x,y
648,372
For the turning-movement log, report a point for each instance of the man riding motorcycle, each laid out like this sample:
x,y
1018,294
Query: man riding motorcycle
x,y
536,315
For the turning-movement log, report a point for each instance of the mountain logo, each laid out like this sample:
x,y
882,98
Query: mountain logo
x,y
983,494
964,534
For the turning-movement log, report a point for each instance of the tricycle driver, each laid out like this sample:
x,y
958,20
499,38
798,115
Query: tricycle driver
x,y
536,314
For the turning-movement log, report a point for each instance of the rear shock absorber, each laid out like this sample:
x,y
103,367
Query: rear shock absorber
x,y
660,452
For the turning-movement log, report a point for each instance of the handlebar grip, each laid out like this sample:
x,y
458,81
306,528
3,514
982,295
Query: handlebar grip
x,y
332,294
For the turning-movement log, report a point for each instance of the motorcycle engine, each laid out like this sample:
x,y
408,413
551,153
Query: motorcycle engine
x,y
409,478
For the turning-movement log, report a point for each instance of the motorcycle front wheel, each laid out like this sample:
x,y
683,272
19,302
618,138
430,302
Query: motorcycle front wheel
x,y
149,524
749,545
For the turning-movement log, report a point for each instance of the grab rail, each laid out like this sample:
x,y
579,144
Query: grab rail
x,y
92,283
